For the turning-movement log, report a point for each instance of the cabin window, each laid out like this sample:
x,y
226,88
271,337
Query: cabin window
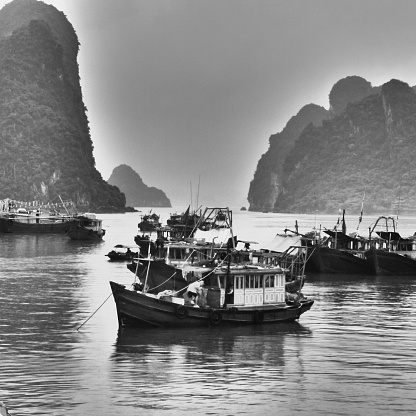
x,y
257,281
211,280
221,282
269,281
239,282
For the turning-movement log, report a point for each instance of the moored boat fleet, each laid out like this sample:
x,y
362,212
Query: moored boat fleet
x,y
194,271
206,279
381,250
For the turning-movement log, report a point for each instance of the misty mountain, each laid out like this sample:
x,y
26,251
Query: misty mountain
x,y
365,143
137,193
45,144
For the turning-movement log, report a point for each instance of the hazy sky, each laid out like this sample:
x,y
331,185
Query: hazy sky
x,y
191,90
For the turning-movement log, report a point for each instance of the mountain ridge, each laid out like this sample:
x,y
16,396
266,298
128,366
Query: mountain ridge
x,y
363,147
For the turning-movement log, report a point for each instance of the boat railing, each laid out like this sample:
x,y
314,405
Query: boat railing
x,y
292,259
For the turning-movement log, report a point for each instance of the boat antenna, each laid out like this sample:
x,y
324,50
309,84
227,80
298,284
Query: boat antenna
x,y
197,195
190,185
398,206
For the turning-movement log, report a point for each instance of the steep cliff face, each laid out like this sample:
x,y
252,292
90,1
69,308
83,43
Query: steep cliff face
x,y
266,184
45,144
137,193
369,147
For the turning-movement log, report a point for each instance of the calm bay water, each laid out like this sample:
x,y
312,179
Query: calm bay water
x,y
352,354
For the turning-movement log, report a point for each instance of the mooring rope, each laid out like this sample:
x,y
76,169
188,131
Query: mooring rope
x,y
94,312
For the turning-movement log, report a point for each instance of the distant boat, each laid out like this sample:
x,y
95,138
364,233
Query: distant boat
x,y
149,222
87,227
37,220
121,252
180,226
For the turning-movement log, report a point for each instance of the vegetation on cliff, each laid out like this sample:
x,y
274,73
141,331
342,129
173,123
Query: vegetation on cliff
x,y
45,144
367,147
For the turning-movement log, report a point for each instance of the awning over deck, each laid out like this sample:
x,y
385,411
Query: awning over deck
x,y
281,242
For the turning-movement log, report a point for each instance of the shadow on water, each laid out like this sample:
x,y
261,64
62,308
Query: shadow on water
x,y
344,287
42,245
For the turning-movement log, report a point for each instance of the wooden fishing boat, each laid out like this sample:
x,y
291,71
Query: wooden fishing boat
x,y
389,252
386,262
87,227
20,218
337,252
35,224
230,295
324,259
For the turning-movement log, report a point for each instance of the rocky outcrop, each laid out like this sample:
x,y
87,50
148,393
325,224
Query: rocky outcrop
x,y
45,144
137,193
266,184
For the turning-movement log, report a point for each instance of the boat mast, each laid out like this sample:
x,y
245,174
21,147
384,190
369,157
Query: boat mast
x,y
190,185
197,195
64,205
360,218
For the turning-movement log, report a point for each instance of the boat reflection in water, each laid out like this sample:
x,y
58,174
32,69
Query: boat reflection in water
x,y
209,368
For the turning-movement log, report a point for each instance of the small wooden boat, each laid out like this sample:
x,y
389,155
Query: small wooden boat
x,y
87,227
231,295
121,252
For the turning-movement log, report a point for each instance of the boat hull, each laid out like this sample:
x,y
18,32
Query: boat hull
x,y
135,309
8,225
76,232
114,256
330,260
390,263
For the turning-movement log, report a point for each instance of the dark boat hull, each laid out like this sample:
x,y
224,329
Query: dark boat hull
x,y
76,232
114,256
391,263
135,309
49,227
332,261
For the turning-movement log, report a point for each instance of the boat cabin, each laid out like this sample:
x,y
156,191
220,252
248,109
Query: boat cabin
x,y
241,286
90,221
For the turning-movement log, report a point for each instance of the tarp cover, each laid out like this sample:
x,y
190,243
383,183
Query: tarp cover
x,y
281,242
216,235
